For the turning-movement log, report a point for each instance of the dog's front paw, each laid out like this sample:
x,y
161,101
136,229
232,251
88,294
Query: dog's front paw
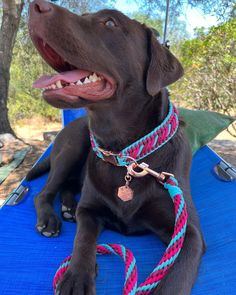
x,y
76,283
48,224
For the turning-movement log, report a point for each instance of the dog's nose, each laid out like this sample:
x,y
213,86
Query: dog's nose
x,y
41,6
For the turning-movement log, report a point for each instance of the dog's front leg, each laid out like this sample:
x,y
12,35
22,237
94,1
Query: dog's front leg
x,y
70,151
181,276
79,279
48,223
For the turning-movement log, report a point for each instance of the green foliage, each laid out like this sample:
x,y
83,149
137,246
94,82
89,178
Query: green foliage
x,y
155,23
176,32
210,70
84,6
222,9
27,66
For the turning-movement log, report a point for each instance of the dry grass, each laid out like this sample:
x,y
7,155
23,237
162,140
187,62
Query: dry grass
x,y
33,128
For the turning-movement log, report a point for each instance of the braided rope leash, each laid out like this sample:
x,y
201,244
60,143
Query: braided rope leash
x,y
131,277
168,259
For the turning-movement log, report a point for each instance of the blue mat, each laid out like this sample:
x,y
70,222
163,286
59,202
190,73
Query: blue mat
x,y
28,261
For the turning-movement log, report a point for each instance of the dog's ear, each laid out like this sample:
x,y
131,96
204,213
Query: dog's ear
x,y
163,69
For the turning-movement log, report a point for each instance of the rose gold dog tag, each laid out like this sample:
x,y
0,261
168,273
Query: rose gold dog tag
x,y
125,193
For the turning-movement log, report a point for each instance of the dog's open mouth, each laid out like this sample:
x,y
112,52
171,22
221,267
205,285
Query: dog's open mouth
x,y
70,81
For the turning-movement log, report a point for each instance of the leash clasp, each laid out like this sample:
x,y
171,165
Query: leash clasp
x,y
161,177
134,173
166,175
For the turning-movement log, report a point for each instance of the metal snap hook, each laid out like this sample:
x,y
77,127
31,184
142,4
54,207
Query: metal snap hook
x,y
134,173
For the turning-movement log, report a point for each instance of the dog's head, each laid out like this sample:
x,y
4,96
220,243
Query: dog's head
x,y
99,57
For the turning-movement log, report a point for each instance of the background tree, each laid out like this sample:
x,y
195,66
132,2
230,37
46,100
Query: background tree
x,y
210,70
26,67
223,9
176,33
11,13
83,6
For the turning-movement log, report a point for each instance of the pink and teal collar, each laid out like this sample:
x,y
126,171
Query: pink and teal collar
x,y
145,145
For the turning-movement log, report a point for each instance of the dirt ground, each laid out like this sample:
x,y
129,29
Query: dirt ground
x,y
31,131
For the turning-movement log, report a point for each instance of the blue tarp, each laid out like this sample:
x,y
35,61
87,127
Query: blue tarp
x,y
28,261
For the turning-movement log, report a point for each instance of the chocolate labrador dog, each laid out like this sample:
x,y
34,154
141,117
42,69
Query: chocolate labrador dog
x,y
115,68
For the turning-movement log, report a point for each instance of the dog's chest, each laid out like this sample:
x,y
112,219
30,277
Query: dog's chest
x,y
125,216
109,182
105,179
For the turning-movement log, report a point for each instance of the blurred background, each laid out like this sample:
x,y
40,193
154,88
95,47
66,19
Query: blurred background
x,y
202,35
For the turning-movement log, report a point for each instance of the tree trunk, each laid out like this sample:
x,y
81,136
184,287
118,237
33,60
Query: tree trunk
x,y
10,23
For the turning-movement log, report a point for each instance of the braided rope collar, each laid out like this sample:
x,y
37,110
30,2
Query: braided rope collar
x,y
145,145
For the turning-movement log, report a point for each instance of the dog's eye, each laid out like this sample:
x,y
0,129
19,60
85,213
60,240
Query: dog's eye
x,y
110,23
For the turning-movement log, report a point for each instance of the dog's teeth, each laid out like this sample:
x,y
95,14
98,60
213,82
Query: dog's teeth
x,y
54,86
58,83
95,77
79,83
72,84
86,81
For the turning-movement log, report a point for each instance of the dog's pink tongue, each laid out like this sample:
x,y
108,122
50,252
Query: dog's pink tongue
x,y
69,77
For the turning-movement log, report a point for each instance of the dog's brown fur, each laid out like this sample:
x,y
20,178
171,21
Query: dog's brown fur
x,y
142,68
